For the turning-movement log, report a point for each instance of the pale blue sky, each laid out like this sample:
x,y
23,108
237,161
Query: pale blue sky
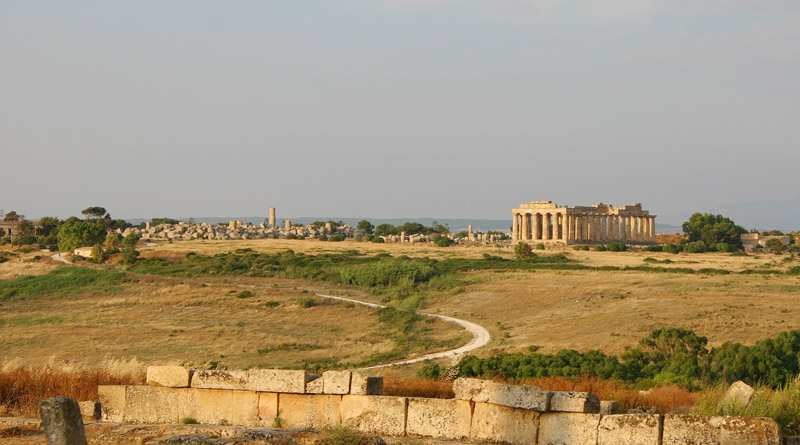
x,y
396,108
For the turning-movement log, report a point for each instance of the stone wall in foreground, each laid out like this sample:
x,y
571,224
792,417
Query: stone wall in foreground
x,y
482,411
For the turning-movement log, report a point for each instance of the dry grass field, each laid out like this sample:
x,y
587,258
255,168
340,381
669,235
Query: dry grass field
x,y
162,320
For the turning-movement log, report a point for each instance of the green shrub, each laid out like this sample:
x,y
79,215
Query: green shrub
x,y
443,241
650,260
244,294
600,248
377,239
671,248
431,372
585,248
323,237
617,247
306,302
539,246
272,303
723,247
696,247
654,248
188,420
523,251
392,272
336,238
793,271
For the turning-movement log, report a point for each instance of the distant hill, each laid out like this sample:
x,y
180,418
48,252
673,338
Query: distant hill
x,y
765,214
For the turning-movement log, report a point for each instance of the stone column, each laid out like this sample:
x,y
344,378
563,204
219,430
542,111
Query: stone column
x,y
272,217
568,233
652,228
287,225
614,228
514,226
526,226
603,227
637,225
584,227
545,226
469,232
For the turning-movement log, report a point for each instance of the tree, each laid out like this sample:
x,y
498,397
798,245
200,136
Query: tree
x,y
131,239
523,251
112,242
774,245
385,229
98,255
129,255
365,226
26,228
76,233
48,225
94,213
13,216
713,229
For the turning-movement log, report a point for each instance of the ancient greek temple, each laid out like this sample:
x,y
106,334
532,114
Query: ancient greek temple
x,y
546,222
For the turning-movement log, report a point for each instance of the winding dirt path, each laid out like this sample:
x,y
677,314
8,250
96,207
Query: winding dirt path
x,y
480,336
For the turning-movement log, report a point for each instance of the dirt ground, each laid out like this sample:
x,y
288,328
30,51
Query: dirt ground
x,y
163,320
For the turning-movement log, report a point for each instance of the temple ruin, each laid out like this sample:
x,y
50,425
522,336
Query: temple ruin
x,y
546,222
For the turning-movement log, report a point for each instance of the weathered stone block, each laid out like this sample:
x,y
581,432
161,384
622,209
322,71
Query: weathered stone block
x,y
739,393
495,423
266,380
469,389
154,404
441,418
718,430
362,384
314,386
309,411
61,421
629,429
90,410
336,382
574,402
169,376
112,401
609,407
568,428
514,396
383,415
267,408
219,406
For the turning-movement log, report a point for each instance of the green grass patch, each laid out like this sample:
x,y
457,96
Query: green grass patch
x,y
63,282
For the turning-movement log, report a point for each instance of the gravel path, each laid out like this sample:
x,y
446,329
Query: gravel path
x,y
480,336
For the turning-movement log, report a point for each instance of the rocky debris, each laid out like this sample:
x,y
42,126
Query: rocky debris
x,y
740,393
238,230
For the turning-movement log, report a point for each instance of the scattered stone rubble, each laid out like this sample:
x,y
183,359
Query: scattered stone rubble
x,y
482,411
236,230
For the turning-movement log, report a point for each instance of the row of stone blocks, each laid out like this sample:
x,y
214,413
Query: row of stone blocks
x,y
267,380
482,411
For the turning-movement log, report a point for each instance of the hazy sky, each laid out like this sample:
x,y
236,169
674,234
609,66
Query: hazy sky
x,y
396,108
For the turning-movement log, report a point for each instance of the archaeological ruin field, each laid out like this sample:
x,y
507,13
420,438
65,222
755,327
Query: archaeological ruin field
x,y
201,320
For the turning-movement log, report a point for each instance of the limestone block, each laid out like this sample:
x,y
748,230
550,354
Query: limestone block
x,y
629,429
61,421
719,430
220,406
267,408
169,376
568,428
382,415
441,418
90,410
309,411
336,382
314,386
469,389
364,385
155,404
265,380
574,402
739,393
609,407
112,402
495,423
514,396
